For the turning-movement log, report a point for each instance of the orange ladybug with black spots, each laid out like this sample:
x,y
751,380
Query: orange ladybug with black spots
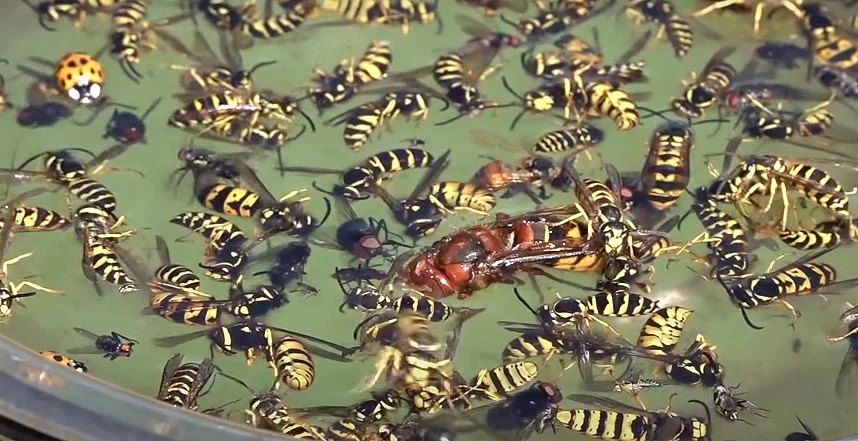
x,y
80,76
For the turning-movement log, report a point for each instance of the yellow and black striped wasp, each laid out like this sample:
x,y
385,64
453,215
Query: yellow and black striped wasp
x,y
344,81
273,216
706,88
215,72
10,292
132,35
570,334
574,54
182,384
400,13
356,182
265,25
604,211
50,11
103,258
253,339
460,72
359,123
64,169
420,212
230,167
491,8
614,420
798,278
555,16
671,23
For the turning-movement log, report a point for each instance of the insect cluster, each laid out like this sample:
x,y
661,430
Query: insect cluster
x,y
408,281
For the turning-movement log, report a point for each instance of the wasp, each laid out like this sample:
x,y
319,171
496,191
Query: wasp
x,y
828,46
767,174
62,168
801,277
604,213
706,88
10,292
284,215
555,17
628,422
420,213
358,180
393,13
97,231
50,11
268,411
217,230
230,167
826,234
253,26
133,34
460,72
598,98
491,8
64,360
667,168
758,7
698,364
577,55
113,345
360,122
226,72
248,337
293,365
181,384
217,12
348,76
576,138
663,13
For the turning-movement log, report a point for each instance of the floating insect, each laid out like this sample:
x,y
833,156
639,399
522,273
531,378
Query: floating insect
x,y
491,8
357,181
847,377
758,7
706,88
64,360
181,384
62,168
663,13
126,127
42,115
291,260
728,405
113,345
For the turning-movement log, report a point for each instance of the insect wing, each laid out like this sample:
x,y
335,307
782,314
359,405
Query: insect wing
x,y
169,369
108,154
716,59
604,402
432,174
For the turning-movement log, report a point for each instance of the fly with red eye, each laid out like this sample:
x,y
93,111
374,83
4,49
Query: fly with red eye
x,y
127,128
124,127
364,238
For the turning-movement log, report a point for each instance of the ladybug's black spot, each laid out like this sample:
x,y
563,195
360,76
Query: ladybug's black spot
x,y
58,357
72,64
92,71
69,77
83,61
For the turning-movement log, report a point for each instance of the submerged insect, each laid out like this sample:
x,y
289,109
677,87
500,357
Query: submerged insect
x,y
706,88
664,14
847,377
128,128
113,345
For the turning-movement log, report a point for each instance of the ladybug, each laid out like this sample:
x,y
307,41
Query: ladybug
x,y
43,115
126,127
64,360
80,76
